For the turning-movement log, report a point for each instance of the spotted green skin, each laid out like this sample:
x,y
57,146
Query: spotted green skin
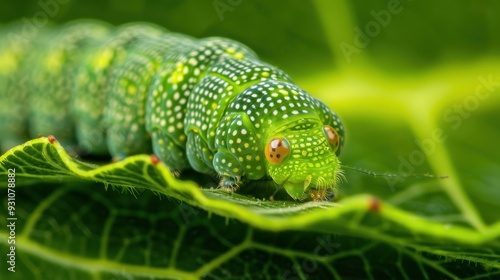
x,y
53,75
94,82
272,109
208,104
16,55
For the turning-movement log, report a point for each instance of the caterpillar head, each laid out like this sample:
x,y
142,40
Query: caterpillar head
x,y
304,161
275,129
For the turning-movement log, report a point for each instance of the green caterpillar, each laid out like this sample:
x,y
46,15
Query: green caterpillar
x,y
207,104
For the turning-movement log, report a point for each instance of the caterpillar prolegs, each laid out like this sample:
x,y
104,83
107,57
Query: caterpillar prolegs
x,y
206,104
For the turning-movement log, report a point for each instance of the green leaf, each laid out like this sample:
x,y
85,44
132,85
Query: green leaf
x,y
81,230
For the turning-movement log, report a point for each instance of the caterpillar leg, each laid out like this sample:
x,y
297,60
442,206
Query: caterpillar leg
x,y
229,168
168,151
198,153
238,148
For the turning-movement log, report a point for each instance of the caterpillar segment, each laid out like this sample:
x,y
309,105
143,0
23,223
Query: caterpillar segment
x,y
168,106
18,47
54,72
125,113
210,105
94,80
287,137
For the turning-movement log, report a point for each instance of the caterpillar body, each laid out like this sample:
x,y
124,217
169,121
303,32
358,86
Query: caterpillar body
x,y
206,104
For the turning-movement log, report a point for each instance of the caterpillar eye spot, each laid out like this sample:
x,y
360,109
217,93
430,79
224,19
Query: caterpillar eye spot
x,y
277,149
332,136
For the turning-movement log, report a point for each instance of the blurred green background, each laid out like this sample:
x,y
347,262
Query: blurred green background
x,y
301,36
